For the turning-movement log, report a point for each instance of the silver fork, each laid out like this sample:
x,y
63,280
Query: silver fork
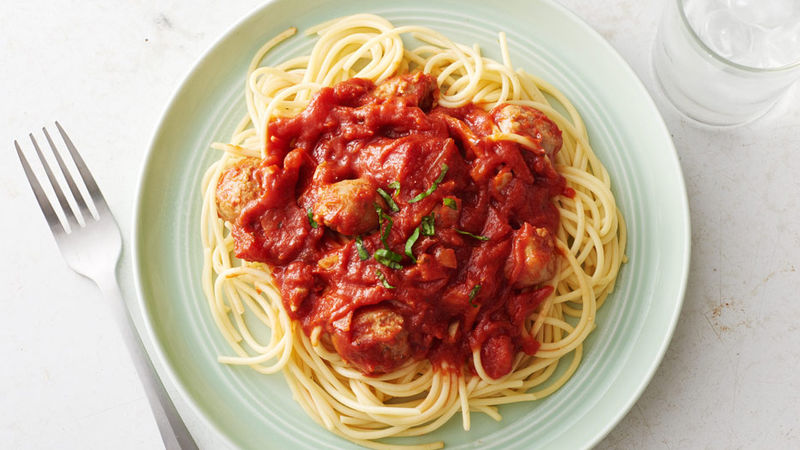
x,y
92,249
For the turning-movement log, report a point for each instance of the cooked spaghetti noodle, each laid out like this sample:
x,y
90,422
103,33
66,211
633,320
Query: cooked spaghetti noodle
x,y
418,397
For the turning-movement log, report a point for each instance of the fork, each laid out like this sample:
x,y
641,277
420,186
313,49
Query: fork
x,y
91,246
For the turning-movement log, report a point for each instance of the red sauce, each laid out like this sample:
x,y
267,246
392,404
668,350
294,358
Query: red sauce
x,y
428,308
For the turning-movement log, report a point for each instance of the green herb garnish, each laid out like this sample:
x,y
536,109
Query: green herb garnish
x,y
388,258
474,293
311,220
450,203
388,199
476,236
396,186
382,217
362,252
433,187
427,225
382,277
410,243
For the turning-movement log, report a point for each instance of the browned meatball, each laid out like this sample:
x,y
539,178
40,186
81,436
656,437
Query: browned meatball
x,y
348,206
530,122
533,257
236,188
416,89
377,341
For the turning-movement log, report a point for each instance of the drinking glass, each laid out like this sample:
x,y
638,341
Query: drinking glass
x,y
726,62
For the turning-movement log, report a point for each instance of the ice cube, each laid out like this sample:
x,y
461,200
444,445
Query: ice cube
x,y
697,11
727,35
755,33
782,46
767,13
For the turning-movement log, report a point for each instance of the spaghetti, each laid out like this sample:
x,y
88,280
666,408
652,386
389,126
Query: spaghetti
x,y
367,401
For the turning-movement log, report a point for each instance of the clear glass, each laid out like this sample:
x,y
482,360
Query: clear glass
x,y
706,86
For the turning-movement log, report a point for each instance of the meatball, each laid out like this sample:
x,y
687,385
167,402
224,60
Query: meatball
x,y
533,257
417,89
530,122
348,206
377,341
236,188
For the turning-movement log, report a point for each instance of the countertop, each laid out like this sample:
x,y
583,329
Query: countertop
x,y
107,69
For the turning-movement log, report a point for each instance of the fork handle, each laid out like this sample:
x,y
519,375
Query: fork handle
x,y
170,425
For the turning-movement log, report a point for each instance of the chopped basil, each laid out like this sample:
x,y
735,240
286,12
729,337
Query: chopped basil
x,y
427,225
384,218
410,243
388,199
388,258
311,220
382,277
385,234
450,203
433,187
362,252
474,293
476,236
396,186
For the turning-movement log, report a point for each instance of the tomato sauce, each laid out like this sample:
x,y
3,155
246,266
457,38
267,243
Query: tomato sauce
x,y
482,211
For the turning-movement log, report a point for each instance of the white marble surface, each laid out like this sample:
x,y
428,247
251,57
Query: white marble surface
x,y
106,69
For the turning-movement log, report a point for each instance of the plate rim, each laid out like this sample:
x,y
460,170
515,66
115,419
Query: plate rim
x,y
166,367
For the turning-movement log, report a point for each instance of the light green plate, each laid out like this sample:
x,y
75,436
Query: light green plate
x,y
634,327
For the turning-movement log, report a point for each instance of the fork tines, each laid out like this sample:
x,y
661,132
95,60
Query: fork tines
x,y
75,217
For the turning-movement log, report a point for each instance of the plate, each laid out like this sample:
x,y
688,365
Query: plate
x,y
634,326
